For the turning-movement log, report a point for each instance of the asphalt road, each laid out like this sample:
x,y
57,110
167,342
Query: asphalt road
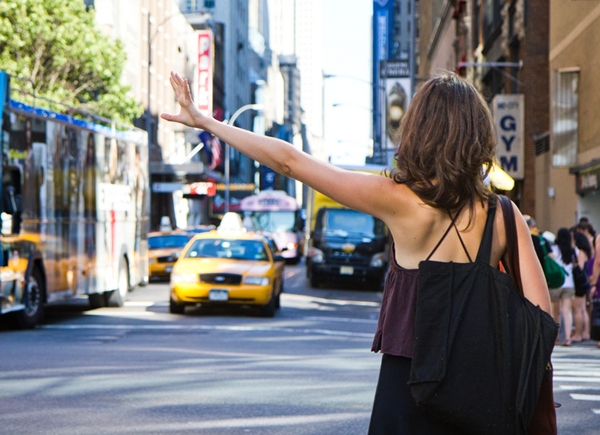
x,y
140,370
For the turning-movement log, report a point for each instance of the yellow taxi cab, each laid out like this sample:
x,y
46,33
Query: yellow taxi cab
x,y
228,266
163,251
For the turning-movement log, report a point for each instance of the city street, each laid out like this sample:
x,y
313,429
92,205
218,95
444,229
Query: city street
x,y
140,370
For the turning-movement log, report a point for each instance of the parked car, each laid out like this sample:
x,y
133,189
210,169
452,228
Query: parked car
x,y
163,250
228,266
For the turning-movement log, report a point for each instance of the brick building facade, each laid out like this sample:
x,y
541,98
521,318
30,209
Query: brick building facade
x,y
478,38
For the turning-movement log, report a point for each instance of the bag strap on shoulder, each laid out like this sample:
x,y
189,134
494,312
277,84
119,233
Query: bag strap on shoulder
x,y
512,245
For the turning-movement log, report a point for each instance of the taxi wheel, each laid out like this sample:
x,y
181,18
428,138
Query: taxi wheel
x,y
269,309
175,308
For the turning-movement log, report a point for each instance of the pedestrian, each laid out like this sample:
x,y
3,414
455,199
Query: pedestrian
x,y
593,269
535,237
446,137
581,317
562,298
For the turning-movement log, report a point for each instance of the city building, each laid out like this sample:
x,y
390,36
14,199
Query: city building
x,y
498,46
568,161
296,37
157,40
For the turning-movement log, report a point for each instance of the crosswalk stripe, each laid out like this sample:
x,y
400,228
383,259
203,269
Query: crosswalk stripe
x,y
577,387
589,397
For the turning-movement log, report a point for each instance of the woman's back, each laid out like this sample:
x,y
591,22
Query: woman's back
x,y
416,234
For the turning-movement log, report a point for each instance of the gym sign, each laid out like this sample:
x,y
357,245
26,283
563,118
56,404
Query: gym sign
x,y
508,119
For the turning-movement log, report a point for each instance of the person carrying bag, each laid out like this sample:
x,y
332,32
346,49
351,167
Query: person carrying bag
x,y
434,201
555,274
475,333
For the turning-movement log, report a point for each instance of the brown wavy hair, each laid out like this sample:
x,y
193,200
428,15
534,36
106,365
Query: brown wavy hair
x,y
446,144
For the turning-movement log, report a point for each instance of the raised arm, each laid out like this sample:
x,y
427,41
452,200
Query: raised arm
x,y
361,191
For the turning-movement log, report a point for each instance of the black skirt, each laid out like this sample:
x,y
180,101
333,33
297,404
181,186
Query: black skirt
x,y
395,411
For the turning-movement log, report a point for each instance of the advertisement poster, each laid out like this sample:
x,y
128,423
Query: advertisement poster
x,y
508,112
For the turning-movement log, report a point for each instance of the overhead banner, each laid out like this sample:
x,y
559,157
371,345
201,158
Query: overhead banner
x,y
395,75
508,112
383,30
204,95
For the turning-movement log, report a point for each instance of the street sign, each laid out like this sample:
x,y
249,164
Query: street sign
x,y
508,112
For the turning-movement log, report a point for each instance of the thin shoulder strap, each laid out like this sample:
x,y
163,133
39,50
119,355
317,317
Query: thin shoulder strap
x,y
452,224
512,243
485,248
463,244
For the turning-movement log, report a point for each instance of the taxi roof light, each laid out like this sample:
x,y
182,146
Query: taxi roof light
x,y
231,223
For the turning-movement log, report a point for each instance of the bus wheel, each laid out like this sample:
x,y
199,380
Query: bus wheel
x,y
116,298
96,300
33,299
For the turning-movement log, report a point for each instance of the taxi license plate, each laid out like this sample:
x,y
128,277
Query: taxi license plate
x,y
346,270
218,295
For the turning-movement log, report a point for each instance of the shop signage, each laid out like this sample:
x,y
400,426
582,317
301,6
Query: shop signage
x,y
205,72
508,119
588,181
208,188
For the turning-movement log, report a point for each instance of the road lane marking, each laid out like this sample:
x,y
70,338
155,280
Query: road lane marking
x,y
586,397
340,319
256,422
596,411
119,313
577,387
326,301
328,332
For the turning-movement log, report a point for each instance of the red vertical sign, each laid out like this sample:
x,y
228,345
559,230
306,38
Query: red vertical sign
x,y
205,72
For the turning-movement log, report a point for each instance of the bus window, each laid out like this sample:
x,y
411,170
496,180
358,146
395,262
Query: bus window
x,y
11,200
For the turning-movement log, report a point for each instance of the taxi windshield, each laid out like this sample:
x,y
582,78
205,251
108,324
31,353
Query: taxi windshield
x,y
225,248
168,241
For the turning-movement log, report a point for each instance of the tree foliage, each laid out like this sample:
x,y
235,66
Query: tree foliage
x,y
63,55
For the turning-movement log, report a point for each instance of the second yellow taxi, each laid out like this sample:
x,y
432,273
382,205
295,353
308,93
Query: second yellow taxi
x,y
228,266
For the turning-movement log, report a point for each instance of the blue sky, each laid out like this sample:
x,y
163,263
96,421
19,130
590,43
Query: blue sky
x,y
347,54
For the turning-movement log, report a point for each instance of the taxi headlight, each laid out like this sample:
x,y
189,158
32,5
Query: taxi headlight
x,y
291,246
316,255
183,277
256,280
378,260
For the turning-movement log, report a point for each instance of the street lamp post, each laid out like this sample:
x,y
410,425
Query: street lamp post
x,y
226,147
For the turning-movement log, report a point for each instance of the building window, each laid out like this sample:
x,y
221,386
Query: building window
x,y
565,120
492,18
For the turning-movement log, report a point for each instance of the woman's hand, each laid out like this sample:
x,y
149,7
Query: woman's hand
x,y
189,114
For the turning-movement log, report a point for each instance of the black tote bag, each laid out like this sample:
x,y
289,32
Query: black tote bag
x,y
481,348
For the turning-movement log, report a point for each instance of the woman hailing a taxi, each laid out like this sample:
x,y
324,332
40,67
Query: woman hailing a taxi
x,y
445,139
